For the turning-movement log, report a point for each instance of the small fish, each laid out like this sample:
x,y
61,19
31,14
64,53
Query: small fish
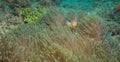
x,y
72,24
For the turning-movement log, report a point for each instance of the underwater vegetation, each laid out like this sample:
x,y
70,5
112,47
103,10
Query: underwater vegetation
x,y
59,31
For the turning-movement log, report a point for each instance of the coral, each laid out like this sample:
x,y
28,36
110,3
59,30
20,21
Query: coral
x,y
32,14
22,3
50,2
114,15
117,7
9,1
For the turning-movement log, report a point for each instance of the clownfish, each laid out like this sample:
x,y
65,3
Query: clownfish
x,y
72,24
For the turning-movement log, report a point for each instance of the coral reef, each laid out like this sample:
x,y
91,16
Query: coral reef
x,y
59,31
